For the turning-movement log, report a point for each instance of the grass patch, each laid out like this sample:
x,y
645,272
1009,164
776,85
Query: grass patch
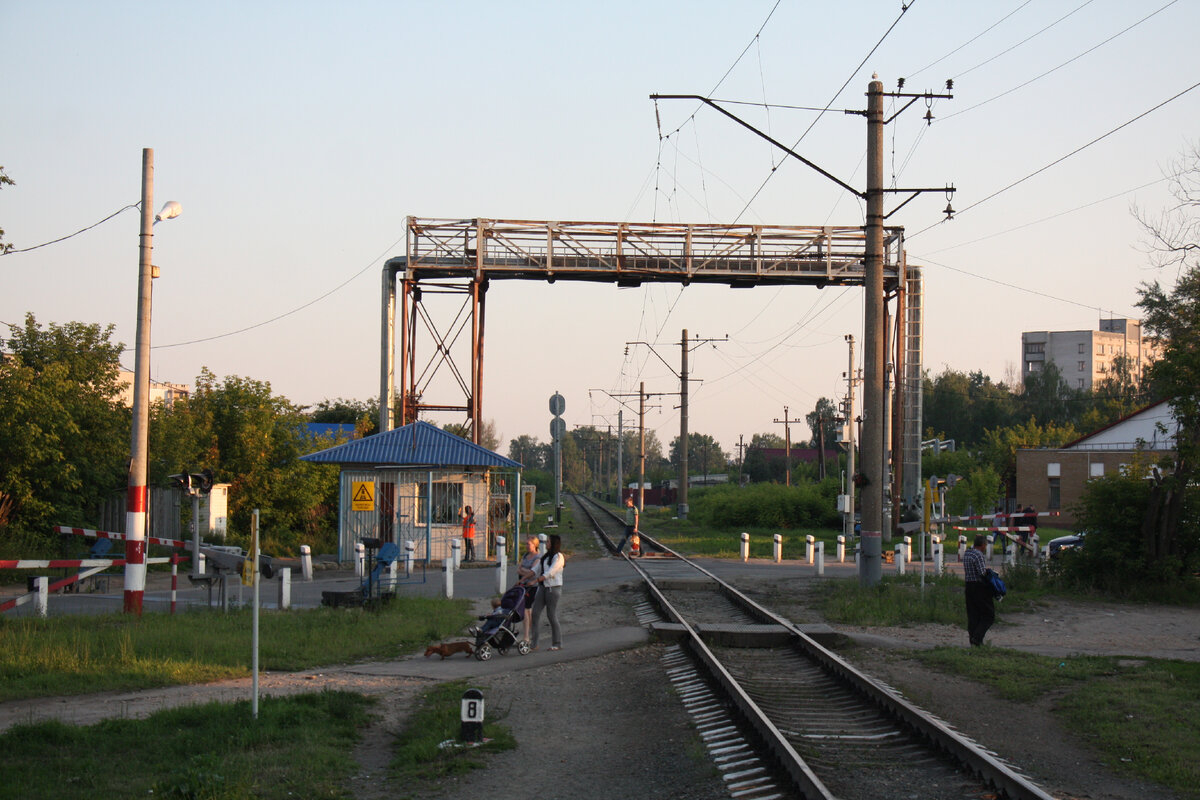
x,y
83,654
437,718
1140,715
299,746
895,600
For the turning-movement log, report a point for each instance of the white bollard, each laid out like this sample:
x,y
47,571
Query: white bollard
x,y
857,551
820,558
285,588
501,566
900,548
808,547
1010,554
200,559
938,557
306,562
1033,542
745,546
778,547
448,572
988,553
360,560
42,601
410,548
456,553
962,547
390,577
907,549
841,549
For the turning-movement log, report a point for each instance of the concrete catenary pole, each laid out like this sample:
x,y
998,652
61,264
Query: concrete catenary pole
x,y
620,457
848,529
870,566
641,501
683,427
135,501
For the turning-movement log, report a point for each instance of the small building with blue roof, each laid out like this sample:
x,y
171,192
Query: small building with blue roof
x,y
411,484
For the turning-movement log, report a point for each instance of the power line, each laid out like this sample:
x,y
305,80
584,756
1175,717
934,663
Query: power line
x,y
1026,39
1063,64
1053,216
278,317
969,41
903,10
69,236
1061,159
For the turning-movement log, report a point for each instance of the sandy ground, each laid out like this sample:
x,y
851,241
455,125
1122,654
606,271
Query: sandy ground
x,y
599,715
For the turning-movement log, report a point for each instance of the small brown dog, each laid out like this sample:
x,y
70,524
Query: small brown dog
x,y
449,648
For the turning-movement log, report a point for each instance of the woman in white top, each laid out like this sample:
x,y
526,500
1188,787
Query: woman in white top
x,y
549,571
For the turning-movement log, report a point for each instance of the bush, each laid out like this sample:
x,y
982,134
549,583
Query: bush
x,y
762,505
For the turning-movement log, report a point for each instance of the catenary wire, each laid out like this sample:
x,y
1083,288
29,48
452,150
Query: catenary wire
x,y
1029,38
969,41
1061,159
1063,64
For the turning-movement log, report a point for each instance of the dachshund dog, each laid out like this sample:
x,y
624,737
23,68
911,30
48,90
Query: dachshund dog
x,y
449,649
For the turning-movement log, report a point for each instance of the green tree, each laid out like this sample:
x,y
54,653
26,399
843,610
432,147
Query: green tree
x,y
64,435
1000,446
251,439
1047,396
1172,318
824,416
362,414
704,453
4,181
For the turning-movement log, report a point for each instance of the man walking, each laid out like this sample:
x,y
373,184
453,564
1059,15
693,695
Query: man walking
x,y
631,522
981,608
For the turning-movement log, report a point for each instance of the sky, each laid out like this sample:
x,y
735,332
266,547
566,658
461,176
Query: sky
x,y
299,136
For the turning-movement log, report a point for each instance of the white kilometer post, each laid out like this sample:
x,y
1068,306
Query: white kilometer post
x,y
900,554
778,547
841,549
501,566
820,558
809,541
745,546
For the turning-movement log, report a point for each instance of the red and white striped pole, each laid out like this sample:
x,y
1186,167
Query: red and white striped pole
x,y
135,503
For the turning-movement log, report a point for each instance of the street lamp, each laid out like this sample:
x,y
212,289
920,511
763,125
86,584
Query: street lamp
x,y
135,501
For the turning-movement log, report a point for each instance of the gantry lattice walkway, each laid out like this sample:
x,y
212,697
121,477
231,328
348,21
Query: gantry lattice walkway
x,y
630,253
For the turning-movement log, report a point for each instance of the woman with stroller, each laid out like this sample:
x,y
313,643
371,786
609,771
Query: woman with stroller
x,y
549,572
527,577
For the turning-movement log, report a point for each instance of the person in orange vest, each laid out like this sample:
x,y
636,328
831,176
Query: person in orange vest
x,y
468,532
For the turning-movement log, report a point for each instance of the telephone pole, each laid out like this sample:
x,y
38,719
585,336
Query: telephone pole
x,y
787,440
848,525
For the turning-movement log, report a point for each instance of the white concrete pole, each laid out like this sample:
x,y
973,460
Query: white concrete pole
x,y
285,588
456,552
778,548
900,557
938,557
820,558
745,546
448,571
306,562
42,601
410,548
360,559
962,546
809,550
841,549
501,566
907,549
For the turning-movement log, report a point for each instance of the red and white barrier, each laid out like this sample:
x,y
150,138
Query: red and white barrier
x,y
89,567
1002,529
120,536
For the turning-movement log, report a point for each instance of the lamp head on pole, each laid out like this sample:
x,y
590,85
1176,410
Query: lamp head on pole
x,y
170,210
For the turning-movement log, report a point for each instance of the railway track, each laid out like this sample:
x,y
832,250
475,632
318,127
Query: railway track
x,y
782,715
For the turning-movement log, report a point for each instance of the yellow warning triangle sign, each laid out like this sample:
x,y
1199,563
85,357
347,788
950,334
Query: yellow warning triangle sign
x,y
362,493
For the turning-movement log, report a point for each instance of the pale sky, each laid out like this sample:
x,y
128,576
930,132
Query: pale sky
x,y
298,136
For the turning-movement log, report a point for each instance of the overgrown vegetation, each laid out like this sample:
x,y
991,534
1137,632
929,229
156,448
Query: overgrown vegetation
x,y
806,505
1136,712
299,746
420,754
82,654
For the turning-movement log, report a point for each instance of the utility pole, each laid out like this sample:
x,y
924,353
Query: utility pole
x,y
787,438
821,444
682,510
741,448
641,503
848,525
620,457
870,566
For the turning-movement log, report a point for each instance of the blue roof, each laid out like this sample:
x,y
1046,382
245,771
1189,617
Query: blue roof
x,y
416,444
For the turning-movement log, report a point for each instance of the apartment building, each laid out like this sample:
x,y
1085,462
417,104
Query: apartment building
x,y
168,393
1085,358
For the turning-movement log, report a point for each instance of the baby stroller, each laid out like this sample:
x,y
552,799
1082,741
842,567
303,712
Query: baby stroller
x,y
501,629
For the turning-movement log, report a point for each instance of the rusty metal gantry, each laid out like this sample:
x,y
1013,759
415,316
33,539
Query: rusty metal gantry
x,y
446,256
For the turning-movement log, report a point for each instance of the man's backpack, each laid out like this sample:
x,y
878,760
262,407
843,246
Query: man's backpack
x,y
996,583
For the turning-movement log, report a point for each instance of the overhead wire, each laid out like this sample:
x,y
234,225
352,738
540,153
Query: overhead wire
x,y
15,250
1027,39
285,314
969,41
1071,60
1063,158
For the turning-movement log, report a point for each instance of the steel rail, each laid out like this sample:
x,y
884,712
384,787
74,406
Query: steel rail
x,y
962,749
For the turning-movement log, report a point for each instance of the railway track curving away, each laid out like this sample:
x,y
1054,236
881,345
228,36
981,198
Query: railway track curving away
x,y
782,715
